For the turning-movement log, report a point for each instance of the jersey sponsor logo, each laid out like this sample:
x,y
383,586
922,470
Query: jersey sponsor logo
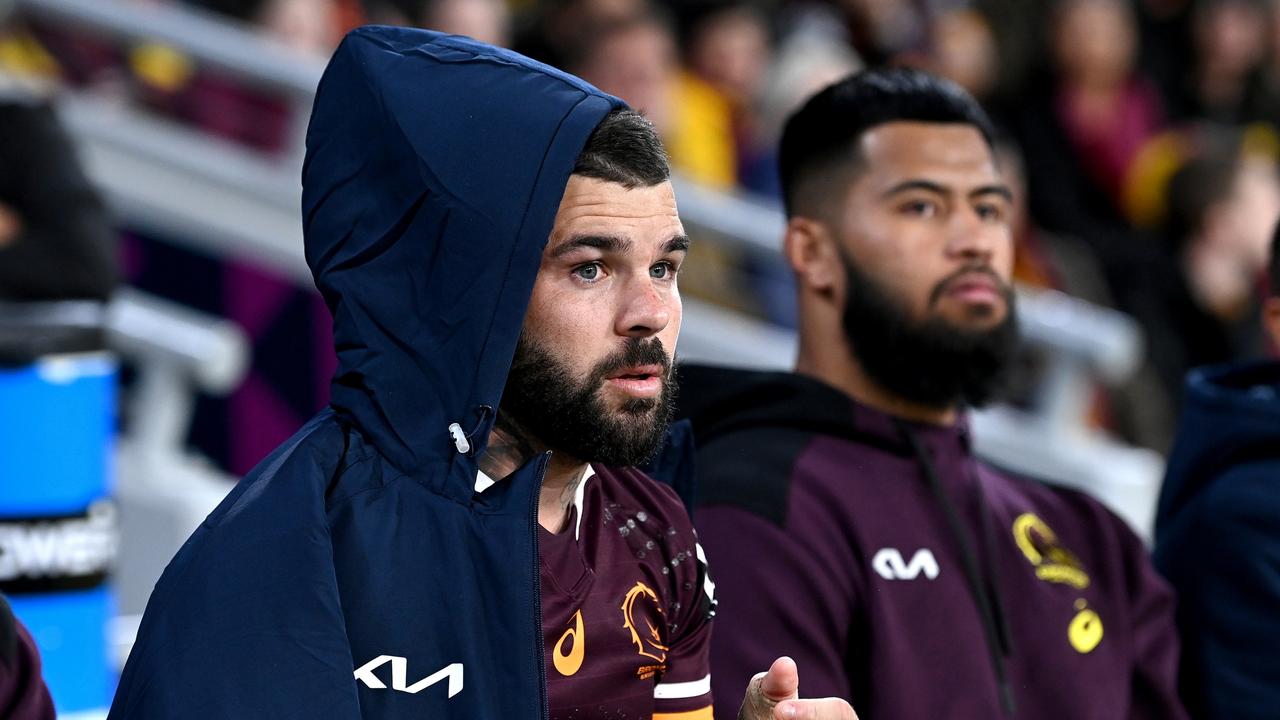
x,y
1053,563
58,553
568,664
889,565
648,640
1085,631
400,672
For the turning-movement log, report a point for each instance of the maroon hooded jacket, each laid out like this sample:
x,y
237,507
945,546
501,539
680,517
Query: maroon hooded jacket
x,y
23,695
904,575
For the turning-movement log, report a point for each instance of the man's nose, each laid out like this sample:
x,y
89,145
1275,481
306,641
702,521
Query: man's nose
x,y
972,238
645,309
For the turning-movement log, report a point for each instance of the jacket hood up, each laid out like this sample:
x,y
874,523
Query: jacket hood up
x,y
1231,415
434,169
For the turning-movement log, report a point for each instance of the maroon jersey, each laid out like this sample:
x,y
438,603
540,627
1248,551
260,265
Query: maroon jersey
x,y
23,695
626,605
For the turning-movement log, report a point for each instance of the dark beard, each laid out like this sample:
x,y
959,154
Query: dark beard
x,y
567,414
929,362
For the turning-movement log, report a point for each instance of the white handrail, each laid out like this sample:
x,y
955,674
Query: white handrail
x,y
250,56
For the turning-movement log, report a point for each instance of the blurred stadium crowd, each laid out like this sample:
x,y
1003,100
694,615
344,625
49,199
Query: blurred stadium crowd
x,y
1141,134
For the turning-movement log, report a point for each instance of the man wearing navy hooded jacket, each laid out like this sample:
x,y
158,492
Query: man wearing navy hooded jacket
x,y
484,230
1218,531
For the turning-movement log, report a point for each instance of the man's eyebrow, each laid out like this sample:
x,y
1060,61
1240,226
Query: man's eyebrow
x,y
676,244
933,187
908,185
603,243
1001,190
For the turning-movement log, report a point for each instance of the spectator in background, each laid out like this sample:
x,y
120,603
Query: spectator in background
x,y
1138,411
882,30
1224,83
1019,31
813,52
1218,532
637,60
56,240
1166,49
23,695
559,28
488,21
308,26
1082,131
843,505
1271,68
964,51
1221,208
728,47
226,106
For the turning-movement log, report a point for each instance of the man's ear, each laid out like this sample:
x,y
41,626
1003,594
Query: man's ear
x,y
1271,320
811,251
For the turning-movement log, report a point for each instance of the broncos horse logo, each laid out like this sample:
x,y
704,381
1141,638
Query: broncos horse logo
x,y
649,642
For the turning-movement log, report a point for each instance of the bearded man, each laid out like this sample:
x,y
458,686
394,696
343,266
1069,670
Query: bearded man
x,y
850,523
475,221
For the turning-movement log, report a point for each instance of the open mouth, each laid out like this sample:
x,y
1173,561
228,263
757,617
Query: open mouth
x,y
638,372
640,380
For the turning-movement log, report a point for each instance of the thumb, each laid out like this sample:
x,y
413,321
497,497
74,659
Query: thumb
x,y
824,709
767,689
782,682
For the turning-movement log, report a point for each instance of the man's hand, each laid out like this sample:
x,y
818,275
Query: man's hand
x,y
775,695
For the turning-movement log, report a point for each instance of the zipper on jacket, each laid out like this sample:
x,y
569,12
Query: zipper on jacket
x,y
985,595
543,696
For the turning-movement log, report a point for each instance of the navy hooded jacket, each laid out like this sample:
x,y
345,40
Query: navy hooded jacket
x,y
1218,540
355,573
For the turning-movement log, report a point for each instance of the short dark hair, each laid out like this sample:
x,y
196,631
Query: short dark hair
x,y
822,136
1195,189
625,149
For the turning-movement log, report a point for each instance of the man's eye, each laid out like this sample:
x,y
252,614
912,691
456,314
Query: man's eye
x,y
990,212
662,270
588,272
921,208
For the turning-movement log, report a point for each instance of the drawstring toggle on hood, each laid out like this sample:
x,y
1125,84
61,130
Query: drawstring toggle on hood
x,y
462,440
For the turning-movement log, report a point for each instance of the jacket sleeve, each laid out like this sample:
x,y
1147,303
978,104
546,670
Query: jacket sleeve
x,y
65,247
1155,677
246,621
23,695
1227,572
777,597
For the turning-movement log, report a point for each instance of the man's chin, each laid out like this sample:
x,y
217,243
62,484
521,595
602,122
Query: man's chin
x,y
973,320
634,413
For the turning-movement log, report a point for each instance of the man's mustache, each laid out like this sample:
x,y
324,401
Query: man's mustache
x,y
636,351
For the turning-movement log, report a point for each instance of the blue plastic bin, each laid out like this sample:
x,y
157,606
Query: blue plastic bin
x,y
58,531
